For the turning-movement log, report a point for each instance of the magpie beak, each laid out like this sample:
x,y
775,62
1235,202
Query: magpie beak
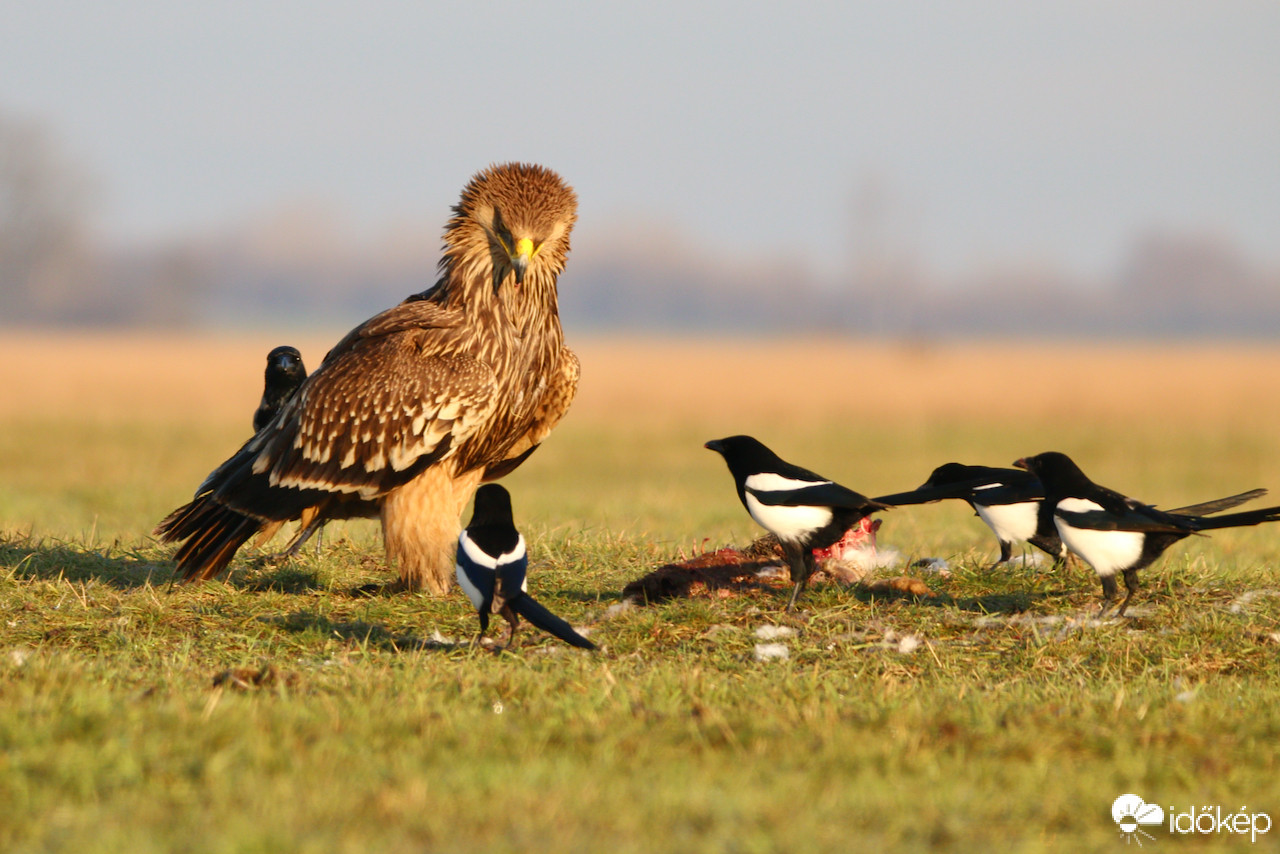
x,y
804,510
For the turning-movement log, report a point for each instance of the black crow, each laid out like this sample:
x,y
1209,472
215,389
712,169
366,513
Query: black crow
x,y
285,373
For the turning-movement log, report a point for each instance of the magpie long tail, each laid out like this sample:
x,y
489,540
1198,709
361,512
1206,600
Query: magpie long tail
x,y
1236,520
1050,545
528,607
925,495
1219,504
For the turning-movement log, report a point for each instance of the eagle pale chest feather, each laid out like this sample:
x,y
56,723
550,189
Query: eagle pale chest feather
x,y
418,405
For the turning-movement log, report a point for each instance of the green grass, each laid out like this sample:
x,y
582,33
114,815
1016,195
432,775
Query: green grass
x,y
1012,725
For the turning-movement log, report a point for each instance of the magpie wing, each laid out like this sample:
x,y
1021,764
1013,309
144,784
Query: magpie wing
x,y
1132,520
818,495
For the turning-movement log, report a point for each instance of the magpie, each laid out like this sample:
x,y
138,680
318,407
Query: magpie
x,y
1009,502
805,511
285,373
491,566
1117,534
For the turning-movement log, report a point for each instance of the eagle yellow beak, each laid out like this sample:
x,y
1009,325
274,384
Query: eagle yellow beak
x,y
520,259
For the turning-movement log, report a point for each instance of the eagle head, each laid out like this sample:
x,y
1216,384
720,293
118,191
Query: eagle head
x,y
516,217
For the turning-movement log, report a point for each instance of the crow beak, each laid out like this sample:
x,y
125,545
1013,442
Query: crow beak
x,y
1022,464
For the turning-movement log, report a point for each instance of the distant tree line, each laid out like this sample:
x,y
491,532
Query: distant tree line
x,y
300,269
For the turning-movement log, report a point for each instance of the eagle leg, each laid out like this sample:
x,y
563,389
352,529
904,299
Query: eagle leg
x,y
311,522
420,526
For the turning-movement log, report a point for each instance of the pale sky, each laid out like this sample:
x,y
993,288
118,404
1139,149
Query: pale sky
x,y
1000,133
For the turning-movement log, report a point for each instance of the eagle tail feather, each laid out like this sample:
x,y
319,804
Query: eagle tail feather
x,y
213,534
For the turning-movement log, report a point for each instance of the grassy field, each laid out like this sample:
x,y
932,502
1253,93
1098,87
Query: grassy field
x,y
998,716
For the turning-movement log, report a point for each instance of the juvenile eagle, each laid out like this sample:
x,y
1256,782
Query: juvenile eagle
x,y
418,405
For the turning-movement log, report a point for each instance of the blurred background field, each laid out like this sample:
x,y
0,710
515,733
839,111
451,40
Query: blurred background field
x,y
105,432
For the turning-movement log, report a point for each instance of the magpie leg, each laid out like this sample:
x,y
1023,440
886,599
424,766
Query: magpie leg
x,y
1131,586
1109,592
1006,552
514,621
795,594
800,575
484,627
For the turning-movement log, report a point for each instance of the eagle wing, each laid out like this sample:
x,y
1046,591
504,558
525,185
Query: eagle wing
x,y
399,393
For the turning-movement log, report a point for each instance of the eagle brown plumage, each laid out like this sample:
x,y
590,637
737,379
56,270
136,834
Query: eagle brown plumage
x,y
418,405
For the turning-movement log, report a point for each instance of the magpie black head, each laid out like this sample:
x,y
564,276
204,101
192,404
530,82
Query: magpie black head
x,y
1058,472
492,527
746,455
492,507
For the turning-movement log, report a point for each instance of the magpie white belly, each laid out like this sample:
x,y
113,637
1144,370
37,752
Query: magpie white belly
x,y
1108,552
1011,522
790,524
